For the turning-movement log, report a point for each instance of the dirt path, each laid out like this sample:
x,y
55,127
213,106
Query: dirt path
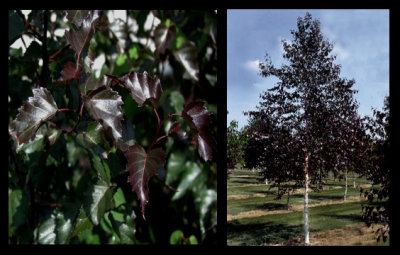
x,y
295,208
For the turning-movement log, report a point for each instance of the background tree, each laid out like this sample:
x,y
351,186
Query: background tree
x,y
298,111
235,144
379,208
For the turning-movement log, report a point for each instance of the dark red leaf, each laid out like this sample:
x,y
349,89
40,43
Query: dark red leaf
x,y
198,118
163,36
81,37
143,88
32,114
90,84
141,167
77,16
177,129
69,73
105,107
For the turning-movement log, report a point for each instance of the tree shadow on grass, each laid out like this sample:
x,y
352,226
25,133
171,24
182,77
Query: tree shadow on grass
x,y
236,182
266,192
257,234
355,218
319,197
271,206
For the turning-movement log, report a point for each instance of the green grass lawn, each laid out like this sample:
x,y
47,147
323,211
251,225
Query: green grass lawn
x,y
276,228
279,228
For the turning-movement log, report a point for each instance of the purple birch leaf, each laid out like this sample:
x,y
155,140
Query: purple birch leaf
x,y
142,87
105,107
198,118
36,110
79,38
176,128
77,16
163,36
69,73
141,167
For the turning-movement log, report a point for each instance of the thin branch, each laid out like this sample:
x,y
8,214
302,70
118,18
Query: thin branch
x,y
51,58
29,26
45,57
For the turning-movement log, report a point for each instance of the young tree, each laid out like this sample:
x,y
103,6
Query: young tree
x,y
235,143
299,112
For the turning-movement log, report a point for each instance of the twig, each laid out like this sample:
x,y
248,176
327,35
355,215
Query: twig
x,y
155,139
29,26
45,57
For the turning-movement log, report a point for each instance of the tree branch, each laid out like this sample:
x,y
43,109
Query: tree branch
x,y
45,57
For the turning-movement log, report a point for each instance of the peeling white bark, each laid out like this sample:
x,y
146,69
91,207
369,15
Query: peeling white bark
x,y
345,189
306,223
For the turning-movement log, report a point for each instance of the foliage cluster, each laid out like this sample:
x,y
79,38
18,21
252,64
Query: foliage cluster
x,y
77,134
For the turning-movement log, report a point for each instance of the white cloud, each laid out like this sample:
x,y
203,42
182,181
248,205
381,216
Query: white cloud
x,y
252,64
340,52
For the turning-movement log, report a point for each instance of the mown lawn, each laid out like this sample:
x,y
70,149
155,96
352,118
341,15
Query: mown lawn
x,y
281,227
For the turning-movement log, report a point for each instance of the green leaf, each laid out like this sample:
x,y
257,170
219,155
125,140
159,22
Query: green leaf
x,y
175,167
176,237
176,101
33,52
192,172
95,139
35,111
55,230
193,240
179,39
119,198
187,56
101,167
15,27
142,166
105,107
134,52
98,199
18,208
208,211
125,232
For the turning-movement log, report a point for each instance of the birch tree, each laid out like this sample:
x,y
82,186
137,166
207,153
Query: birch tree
x,y
300,114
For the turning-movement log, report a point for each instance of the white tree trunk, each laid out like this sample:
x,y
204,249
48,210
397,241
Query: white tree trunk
x,y
306,223
345,189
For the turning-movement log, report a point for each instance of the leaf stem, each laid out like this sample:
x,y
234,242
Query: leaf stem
x,y
158,118
66,109
76,124
155,139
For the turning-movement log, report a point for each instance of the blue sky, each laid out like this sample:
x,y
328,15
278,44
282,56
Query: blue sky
x,y
361,44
